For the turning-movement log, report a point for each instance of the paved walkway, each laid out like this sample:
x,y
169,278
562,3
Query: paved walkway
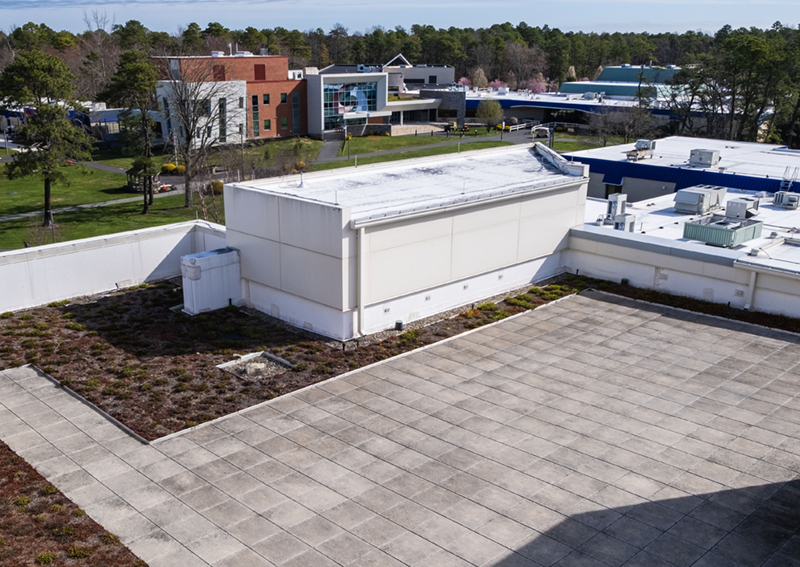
x,y
592,432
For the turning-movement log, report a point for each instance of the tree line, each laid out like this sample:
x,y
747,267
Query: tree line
x,y
735,84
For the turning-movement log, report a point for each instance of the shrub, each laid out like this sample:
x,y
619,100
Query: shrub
x,y
26,317
75,326
216,187
64,531
488,307
168,168
45,558
58,303
300,367
110,539
22,501
49,490
180,170
56,508
410,337
6,315
300,165
79,513
79,552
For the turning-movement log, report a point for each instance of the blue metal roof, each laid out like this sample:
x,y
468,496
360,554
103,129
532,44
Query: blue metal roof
x,y
614,171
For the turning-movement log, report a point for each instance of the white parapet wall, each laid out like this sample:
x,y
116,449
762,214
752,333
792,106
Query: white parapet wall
x,y
683,268
41,275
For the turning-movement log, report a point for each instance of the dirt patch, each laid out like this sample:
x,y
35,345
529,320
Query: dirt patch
x,y
41,526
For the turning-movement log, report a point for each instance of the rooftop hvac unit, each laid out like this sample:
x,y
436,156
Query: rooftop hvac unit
x,y
704,158
217,53
741,208
361,68
211,280
589,96
243,54
699,200
786,200
625,222
722,231
617,203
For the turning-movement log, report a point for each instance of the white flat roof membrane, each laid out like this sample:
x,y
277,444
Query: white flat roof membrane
x,y
736,158
385,190
657,217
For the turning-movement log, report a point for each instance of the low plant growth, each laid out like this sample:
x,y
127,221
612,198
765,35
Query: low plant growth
x,y
49,529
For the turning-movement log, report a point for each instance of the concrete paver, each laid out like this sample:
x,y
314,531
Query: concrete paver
x,y
595,431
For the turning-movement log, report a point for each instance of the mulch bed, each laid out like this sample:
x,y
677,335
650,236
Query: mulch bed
x,y
40,526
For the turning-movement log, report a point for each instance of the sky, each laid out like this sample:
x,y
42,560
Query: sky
x,y
362,15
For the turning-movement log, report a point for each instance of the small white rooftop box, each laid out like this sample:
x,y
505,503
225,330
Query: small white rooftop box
x,y
699,200
211,280
704,158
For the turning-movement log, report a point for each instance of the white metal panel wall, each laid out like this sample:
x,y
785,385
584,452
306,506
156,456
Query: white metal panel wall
x,y
405,257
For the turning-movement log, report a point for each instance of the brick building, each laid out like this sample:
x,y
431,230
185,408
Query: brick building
x,y
263,97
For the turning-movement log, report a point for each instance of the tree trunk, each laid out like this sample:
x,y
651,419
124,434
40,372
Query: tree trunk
x,y
150,191
147,181
48,212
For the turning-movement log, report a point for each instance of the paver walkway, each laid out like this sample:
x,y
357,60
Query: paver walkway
x,y
596,431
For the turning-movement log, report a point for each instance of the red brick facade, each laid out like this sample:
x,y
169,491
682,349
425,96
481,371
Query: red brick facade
x,y
265,75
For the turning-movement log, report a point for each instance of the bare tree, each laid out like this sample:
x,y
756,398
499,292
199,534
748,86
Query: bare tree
x,y
203,110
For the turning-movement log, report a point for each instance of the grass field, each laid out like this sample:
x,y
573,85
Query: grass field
x,y
116,159
362,160
370,144
85,186
101,220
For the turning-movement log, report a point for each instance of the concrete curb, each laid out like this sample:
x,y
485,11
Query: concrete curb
x,y
124,428
349,373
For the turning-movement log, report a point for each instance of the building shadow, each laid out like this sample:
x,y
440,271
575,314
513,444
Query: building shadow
x,y
747,527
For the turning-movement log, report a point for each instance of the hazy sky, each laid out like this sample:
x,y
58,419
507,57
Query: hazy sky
x,y
361,15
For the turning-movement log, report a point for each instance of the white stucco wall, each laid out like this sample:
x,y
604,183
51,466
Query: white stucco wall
x,y
37,276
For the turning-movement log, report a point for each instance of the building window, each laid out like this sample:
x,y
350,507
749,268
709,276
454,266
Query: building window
x,y
341,98
223,117
206,107
219,72
241,129
241,102
267,124
283,98
296,113
265,98
261,72
254,99
284,123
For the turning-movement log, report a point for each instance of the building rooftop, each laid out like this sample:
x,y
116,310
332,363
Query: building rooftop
x,y
564,101
778,247
736,158
385,190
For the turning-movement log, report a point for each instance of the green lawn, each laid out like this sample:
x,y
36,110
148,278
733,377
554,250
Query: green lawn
x,y
116,159
102,220
573,146
465,146
267,154
370,144
89,186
